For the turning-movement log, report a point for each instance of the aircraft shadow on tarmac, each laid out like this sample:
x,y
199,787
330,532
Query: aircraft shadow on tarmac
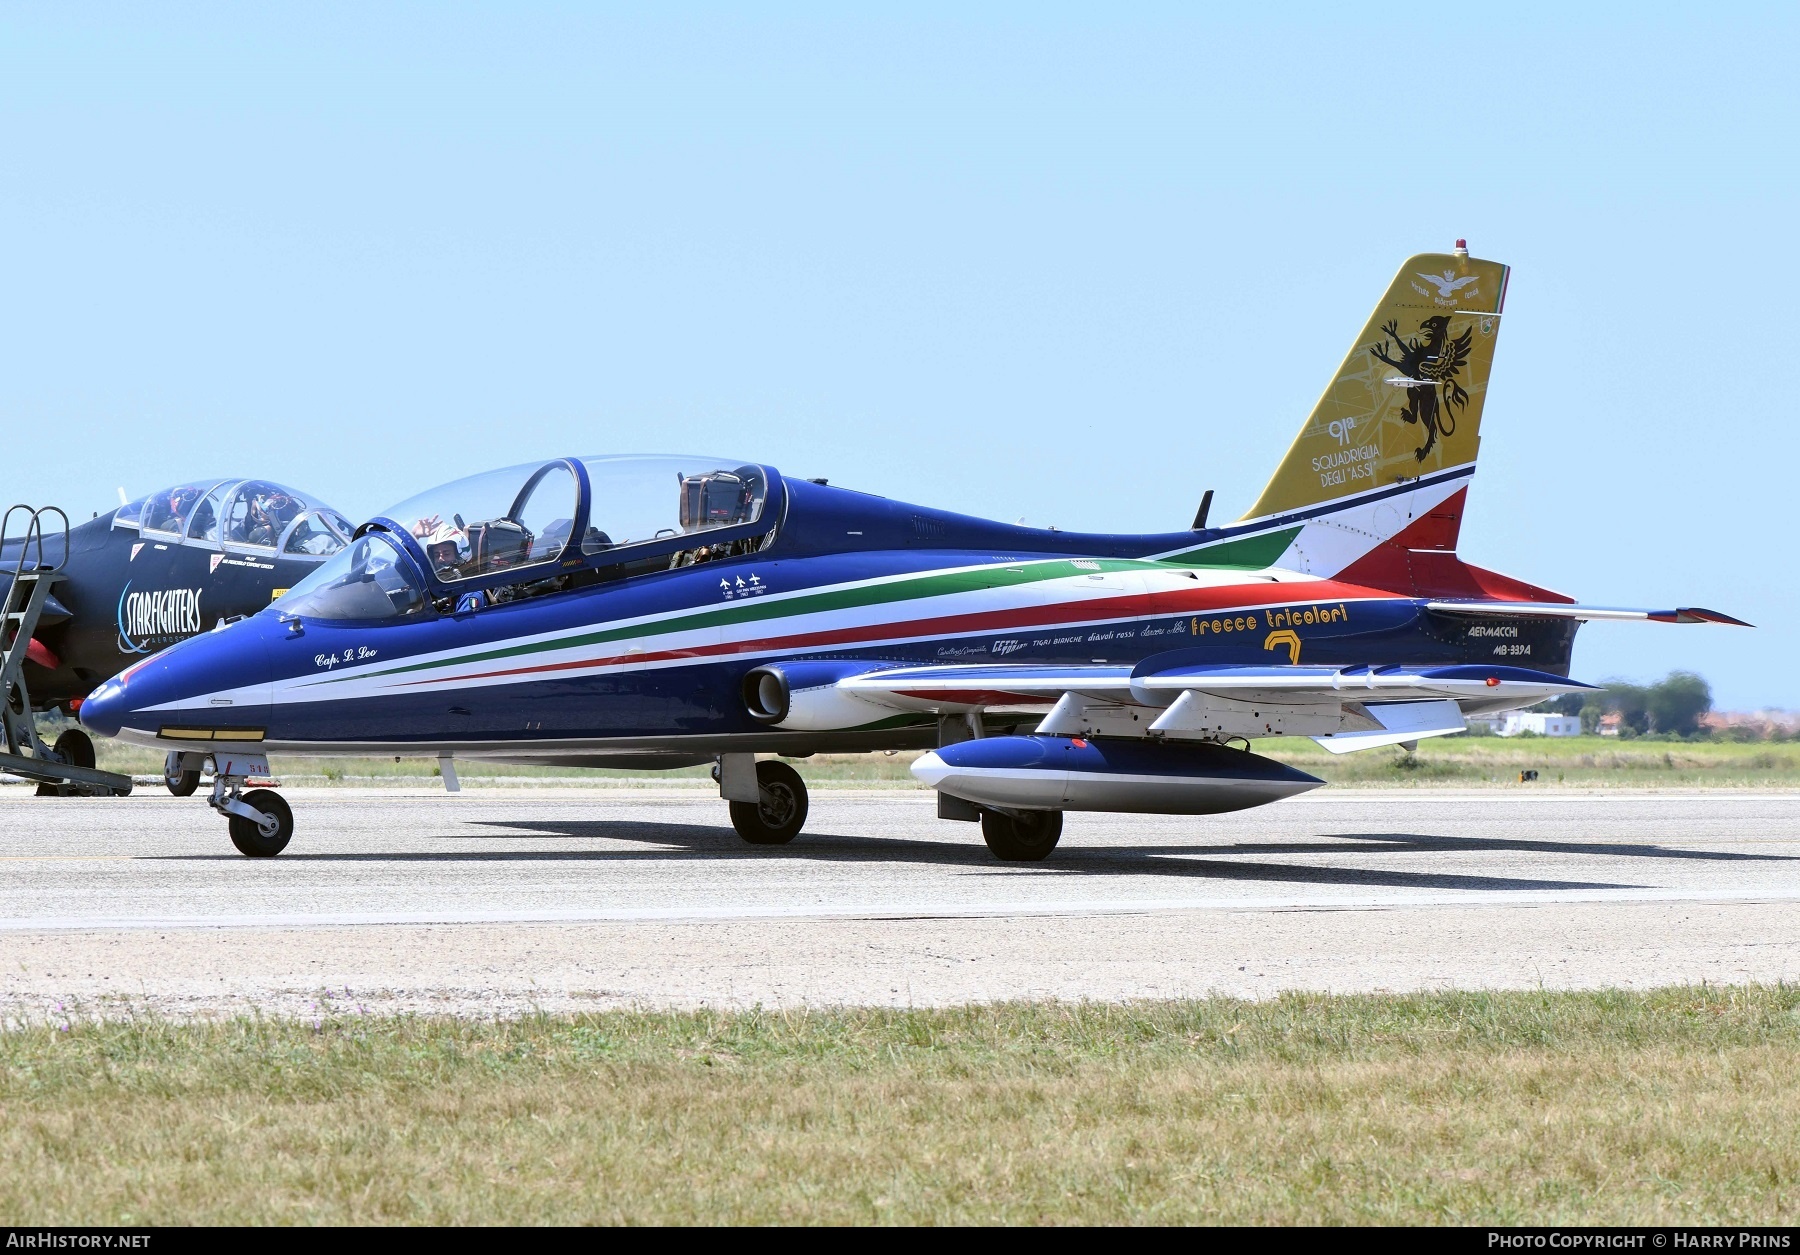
x,y
694,841
674,842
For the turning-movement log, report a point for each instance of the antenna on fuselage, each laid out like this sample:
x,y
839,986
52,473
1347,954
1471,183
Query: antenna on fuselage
x,y
1205,509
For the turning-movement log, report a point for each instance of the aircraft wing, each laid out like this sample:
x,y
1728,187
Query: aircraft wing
x,y
1570,610
1342,707
921,688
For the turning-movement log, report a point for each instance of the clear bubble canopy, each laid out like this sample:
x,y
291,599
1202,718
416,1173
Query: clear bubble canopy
x,y
239,513
519,522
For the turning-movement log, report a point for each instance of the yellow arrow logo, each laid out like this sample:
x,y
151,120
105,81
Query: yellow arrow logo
x,y
1275,640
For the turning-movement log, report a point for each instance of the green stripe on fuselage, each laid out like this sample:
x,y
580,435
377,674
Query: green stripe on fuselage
x,y
1246,553
905,589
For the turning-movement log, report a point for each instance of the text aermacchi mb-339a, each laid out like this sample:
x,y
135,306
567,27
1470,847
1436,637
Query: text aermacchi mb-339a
x,y
652,612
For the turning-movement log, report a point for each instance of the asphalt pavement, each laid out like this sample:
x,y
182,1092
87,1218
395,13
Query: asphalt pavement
x,y
500,900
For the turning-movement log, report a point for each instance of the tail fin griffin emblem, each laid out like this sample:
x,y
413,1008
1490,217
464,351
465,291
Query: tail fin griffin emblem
x,y
1428,363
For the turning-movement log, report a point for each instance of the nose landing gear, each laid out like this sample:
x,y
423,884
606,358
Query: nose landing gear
x,y
260,821
265,837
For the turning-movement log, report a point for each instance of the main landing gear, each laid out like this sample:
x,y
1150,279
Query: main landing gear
x,y
260,821
1021,836
768,799
181,772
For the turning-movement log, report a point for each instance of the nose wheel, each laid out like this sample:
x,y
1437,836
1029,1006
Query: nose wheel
x,y
260,822
265,837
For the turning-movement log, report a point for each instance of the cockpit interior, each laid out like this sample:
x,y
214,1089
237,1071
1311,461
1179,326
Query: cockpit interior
x,y
254,515
541,528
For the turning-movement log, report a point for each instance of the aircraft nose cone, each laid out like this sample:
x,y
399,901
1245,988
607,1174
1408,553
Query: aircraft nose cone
x,y
214,686
103,710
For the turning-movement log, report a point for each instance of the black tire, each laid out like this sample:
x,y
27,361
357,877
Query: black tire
x,y
1023,836
75,748
249,838
180,783
779,816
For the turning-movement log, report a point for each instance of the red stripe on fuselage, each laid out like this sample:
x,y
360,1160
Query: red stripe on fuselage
x,y
1199,601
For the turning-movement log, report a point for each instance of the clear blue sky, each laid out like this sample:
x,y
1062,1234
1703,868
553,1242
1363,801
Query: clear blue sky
x,y
1070,264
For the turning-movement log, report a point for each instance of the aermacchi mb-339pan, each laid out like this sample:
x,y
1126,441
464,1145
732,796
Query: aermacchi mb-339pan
x,y
661,612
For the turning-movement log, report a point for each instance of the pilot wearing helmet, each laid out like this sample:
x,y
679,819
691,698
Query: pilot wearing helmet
x,y
268,515
446,544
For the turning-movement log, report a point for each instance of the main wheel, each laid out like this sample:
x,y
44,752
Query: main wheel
x,y
248,836
180,783
779,816
1023,836
75,748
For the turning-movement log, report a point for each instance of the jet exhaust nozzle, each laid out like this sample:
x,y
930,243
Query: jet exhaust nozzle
x,y
804,696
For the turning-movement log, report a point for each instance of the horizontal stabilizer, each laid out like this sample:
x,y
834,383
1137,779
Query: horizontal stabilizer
x,y
1392,683
1570,610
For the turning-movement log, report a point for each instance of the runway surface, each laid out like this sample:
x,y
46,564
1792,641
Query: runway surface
x,y
499,900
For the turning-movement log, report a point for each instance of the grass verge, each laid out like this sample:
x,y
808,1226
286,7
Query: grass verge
x,y
1662,1107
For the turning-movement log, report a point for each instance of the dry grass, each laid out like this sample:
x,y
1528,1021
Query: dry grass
x,y
1673,1106
1458,762
1588,761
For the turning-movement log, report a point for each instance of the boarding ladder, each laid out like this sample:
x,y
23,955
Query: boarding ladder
x,y
26,594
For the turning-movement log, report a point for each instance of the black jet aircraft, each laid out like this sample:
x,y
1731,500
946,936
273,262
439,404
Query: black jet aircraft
x,y
132,582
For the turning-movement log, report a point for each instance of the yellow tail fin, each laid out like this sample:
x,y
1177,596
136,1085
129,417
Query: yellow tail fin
x,y
1407,400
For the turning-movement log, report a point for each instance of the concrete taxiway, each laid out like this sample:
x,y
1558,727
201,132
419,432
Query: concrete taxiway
x,y
501,900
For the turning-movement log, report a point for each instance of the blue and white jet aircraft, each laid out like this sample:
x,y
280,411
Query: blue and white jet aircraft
x,y
659,612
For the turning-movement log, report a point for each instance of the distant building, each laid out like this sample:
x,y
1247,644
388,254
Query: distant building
x,y
1762,724
1541,723
1611,722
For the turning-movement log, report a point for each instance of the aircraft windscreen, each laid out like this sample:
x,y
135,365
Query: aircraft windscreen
x,y
370,579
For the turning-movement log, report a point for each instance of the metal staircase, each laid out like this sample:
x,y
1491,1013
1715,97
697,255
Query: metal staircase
x,y
26,595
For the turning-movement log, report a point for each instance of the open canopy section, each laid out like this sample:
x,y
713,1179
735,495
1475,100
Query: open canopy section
x,y
508,521
239,514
